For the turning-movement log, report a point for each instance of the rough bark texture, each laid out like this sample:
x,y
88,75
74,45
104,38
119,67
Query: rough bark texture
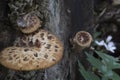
x,y
63,18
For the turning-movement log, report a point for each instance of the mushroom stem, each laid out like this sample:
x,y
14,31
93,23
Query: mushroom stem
x,y
82,40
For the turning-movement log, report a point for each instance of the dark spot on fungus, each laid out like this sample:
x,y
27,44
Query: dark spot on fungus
x,y
31,50
50,37
14,55
10,52
36,54
25,59
42,34
46,56
42,38
30,43
8,49
37,66
33,34
37,43
13,49
20,68
17,44
24,37
53,60
56,46
28,38
56,50
17,57
33,58
48,46
19,61
26,50
23,44
43,43
10,58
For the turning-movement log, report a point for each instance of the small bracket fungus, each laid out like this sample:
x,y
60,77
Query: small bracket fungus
x,y
29,23
82,40
38,50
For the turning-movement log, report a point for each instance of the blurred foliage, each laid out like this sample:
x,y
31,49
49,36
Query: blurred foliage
x,y
103,67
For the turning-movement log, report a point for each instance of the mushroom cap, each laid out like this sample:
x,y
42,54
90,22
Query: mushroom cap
x,y
42,50
83,39
29,23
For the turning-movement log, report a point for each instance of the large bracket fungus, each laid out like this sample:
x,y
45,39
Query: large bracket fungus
x,y
82,40
37,50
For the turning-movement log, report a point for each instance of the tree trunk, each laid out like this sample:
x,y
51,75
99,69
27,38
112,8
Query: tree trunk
x,y
63,18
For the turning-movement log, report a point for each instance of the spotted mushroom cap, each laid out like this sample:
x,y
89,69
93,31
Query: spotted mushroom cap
x,y
83,39
41,50
29,23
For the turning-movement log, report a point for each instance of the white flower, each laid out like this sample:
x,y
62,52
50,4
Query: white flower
x,y
109,45
109,38
101,43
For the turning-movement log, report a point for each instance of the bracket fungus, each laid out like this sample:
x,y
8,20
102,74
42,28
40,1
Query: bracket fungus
x,y
29,23
82,40
39,50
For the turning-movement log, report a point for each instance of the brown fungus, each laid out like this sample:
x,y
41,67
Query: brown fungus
x,y
29,23
32,57
82,40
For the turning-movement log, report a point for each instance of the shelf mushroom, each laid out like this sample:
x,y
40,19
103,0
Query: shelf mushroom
x,y
39,50
82,40
29,23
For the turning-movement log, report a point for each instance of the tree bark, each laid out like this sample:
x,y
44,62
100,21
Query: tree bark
x,y
63,18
